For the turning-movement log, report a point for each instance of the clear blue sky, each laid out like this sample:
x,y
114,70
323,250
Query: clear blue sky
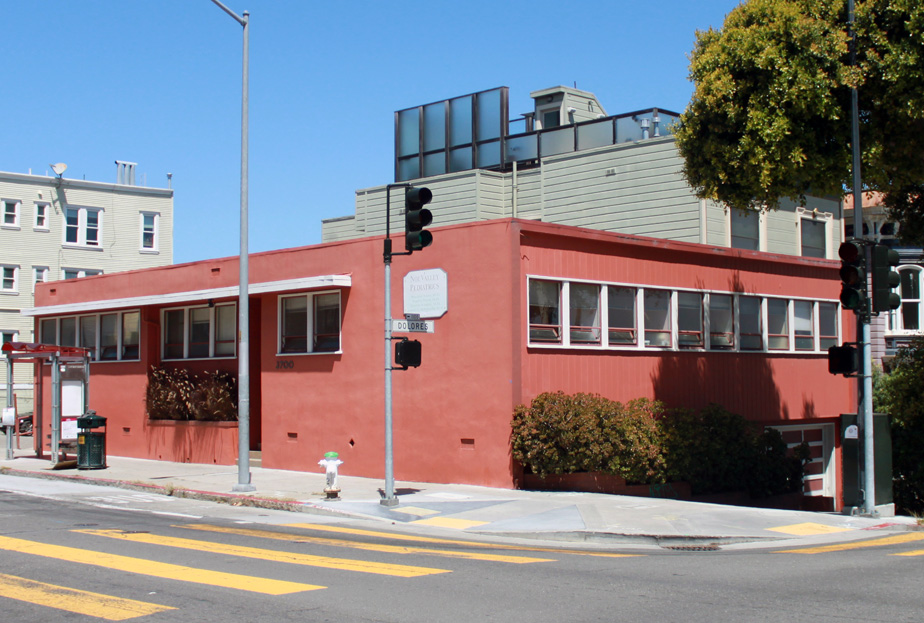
x,y
158,82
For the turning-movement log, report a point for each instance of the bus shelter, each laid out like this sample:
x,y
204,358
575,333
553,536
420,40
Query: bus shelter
x,y
70,378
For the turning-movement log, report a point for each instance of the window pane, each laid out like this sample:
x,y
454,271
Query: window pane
x,y
49,328
109,336
911,284
621,314
88,333
434,164
544,319
721,321
596,134
199,325
804,325
131,334
690,319
408,132
745,230
295,324
813,238
72,219
225,330
460,159
68,332
657,318
460,128
489,154
777,324
173,334
827,325
435,126
92,228
557,141
489,115
911,316
749,323
522,148
327,322
585,313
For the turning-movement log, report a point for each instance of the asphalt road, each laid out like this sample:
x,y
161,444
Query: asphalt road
x,y
80,553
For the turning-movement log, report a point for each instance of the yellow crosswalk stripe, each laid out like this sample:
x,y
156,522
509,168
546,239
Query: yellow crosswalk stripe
x,y
423,539
155,569
343,564
391,549
73,600
839,547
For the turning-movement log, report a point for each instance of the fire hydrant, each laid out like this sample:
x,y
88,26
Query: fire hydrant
x,y
331,462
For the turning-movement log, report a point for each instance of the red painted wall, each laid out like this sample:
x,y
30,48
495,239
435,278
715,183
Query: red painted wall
x,y
451,416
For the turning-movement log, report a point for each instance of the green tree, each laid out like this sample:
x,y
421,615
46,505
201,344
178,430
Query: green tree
x,y
770,115
900,393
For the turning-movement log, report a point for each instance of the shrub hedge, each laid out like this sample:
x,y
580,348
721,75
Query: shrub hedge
x,y
645,443
179,395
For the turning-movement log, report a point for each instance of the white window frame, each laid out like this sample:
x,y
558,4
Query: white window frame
x,y
761,229
155,233
14,290
17,213
674,295
38,208
827,218
310,334
39,275
11,332
82,228
213,308
896,317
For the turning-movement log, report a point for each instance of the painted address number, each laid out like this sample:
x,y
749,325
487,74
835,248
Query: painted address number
x,y
285,364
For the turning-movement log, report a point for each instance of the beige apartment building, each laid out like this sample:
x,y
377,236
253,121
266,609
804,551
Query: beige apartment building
x,y
53,227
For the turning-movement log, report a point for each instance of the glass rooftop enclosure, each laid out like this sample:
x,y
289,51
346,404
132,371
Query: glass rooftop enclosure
x,y
475,131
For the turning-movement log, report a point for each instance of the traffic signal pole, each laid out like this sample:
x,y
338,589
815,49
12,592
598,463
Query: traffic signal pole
x,y
865,376
416,217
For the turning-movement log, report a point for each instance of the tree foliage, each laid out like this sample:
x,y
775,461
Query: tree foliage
x,y
770,116
901,394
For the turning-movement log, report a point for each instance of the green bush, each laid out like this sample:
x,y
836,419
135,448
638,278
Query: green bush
x,y
178,395
716,451
712,449
900,393
562,434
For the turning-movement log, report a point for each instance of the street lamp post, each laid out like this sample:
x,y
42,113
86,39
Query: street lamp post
x,y
243,348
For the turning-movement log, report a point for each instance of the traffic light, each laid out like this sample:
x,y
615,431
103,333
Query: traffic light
x,y
843,360
853,275
416,217
884,278
407,353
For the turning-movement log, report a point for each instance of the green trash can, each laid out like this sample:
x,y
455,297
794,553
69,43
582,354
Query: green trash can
x,y
91,443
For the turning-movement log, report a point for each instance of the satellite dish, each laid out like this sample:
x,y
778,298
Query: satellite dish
x,y
59,168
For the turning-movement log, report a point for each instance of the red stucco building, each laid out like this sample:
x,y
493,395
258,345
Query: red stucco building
x,y
530,307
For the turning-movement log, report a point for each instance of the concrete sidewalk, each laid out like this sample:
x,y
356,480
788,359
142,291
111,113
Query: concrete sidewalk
x,y
574,517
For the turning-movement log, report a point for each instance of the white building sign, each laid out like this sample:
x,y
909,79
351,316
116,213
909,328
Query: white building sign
x,y
426,293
